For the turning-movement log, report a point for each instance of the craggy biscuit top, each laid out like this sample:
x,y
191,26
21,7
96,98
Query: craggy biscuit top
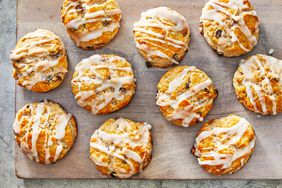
x,y
162,33
39,59
121,148
258,84
224,145
44,131
230,26
185,95
103,83
91,20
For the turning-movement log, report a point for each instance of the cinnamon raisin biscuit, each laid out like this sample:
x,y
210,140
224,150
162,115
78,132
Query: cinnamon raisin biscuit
x,y
185,95
231,27
103,83
258,84
44,131
91,24
39,61
162,36
223,146
121,148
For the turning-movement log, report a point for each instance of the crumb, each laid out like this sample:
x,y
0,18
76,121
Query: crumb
x,y
194,5
242,61
271,51
259,116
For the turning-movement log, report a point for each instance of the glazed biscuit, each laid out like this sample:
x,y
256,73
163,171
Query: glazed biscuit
x,y
91,24
185,95
44,131
103,83
121,148
258,84
231,27
223,146
162,36
40,61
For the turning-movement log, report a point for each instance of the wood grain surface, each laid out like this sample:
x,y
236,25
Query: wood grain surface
x,y
171,156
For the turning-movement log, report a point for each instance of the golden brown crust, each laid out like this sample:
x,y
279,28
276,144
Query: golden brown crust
x,y
121,148
162,37
91,24
223,146
103,83
40,61
258,86
185,95
44,131
231,27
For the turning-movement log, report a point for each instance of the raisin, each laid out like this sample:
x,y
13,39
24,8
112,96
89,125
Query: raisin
x,y
218,33
175,56
122,90
220,53
275,79
106,23
113,174
57,78
49,78
206,90
148,64
187,86
78,7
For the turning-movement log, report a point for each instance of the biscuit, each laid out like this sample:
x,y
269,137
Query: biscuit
x,y
40,61
91,24
231,27
162,36
185,95
44,131
121,148
223,146
258,84
103,83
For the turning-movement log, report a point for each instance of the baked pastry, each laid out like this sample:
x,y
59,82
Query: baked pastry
x,y
91,24
223,146
258,84
231,27
185,95
39,61
103,83
121,148
162,36
44,131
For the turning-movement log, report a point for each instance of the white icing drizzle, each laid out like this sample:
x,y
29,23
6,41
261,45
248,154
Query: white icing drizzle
x,y
221,13
265,87
187,114
38,113
98,32
37,60
92,17
69,9
232,135
121,146
92,64
150,19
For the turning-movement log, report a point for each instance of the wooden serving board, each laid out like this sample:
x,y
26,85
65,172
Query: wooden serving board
x,y
171,156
